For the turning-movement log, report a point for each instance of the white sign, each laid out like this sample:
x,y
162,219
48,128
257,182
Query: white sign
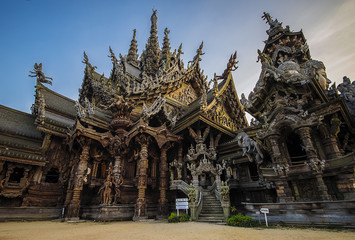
x,y
182,203
182,200
264,210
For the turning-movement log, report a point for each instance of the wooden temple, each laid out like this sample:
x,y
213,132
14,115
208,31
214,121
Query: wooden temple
x,y
156,130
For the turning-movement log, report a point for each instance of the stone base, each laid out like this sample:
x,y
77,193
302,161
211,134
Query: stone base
x,y
104,213
139,219
306,213
29,213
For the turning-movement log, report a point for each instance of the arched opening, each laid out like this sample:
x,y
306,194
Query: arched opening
x,y
16,175
253,170
52,175
295,149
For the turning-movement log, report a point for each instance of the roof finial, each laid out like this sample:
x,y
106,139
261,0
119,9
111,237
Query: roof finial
x,y
132,52
166,47
150,56
274,24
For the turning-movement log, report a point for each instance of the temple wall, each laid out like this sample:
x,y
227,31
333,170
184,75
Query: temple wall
x,y
29,213
317,213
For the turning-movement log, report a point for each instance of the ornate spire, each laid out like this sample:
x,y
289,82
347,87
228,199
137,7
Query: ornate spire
x,y
132,52
275,25
165,52
150,56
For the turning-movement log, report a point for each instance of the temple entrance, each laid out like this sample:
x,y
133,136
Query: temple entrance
x,y
206,179
295,149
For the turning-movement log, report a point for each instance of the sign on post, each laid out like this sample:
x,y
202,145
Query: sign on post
x,y
182,203
265,211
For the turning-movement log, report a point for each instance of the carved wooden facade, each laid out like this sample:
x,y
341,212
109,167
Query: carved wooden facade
x,y
154,130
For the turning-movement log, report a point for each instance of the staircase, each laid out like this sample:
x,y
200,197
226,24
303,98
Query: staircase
x,y
211,210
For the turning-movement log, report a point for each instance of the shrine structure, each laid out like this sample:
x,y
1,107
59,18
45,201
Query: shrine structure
x,y
155,130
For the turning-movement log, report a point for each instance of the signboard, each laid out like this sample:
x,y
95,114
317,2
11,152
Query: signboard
x,y
182,203
264,210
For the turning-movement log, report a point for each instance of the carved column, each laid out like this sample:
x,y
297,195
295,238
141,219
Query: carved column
x,y
276,154
163,185
141,206
305,135
330,143
179,170
322,188
74,206
117,167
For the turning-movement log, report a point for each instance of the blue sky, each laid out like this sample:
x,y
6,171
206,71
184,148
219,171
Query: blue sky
x,y
57,32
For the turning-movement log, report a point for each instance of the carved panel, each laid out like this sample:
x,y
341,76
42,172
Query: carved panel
x,y
185,94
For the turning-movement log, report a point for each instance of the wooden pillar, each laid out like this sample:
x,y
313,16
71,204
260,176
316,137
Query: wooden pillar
x,y
74,206
322,188
141,206
180,160
117,166
163,209
276,154
305,135
330,143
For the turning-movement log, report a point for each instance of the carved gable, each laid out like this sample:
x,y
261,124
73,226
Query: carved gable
x,y
186,94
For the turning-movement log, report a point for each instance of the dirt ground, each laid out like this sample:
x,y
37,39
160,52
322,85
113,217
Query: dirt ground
x,y
157,231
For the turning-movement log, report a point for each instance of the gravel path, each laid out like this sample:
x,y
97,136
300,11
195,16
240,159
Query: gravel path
x,y
156,231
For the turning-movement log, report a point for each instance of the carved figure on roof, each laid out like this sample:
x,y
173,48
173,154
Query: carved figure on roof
x,y
264,58
86,61
243,100
180,52
40,75
231,66
347,90
199,53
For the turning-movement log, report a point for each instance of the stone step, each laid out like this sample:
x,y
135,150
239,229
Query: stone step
x,y
210,219
211,204
216,215
211,212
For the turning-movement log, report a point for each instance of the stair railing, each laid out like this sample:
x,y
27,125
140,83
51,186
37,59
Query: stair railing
x,y
199,203
180,185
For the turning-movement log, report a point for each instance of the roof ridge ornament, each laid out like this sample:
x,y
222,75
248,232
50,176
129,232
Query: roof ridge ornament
x,y
88,64
231,66
41,77
199,53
